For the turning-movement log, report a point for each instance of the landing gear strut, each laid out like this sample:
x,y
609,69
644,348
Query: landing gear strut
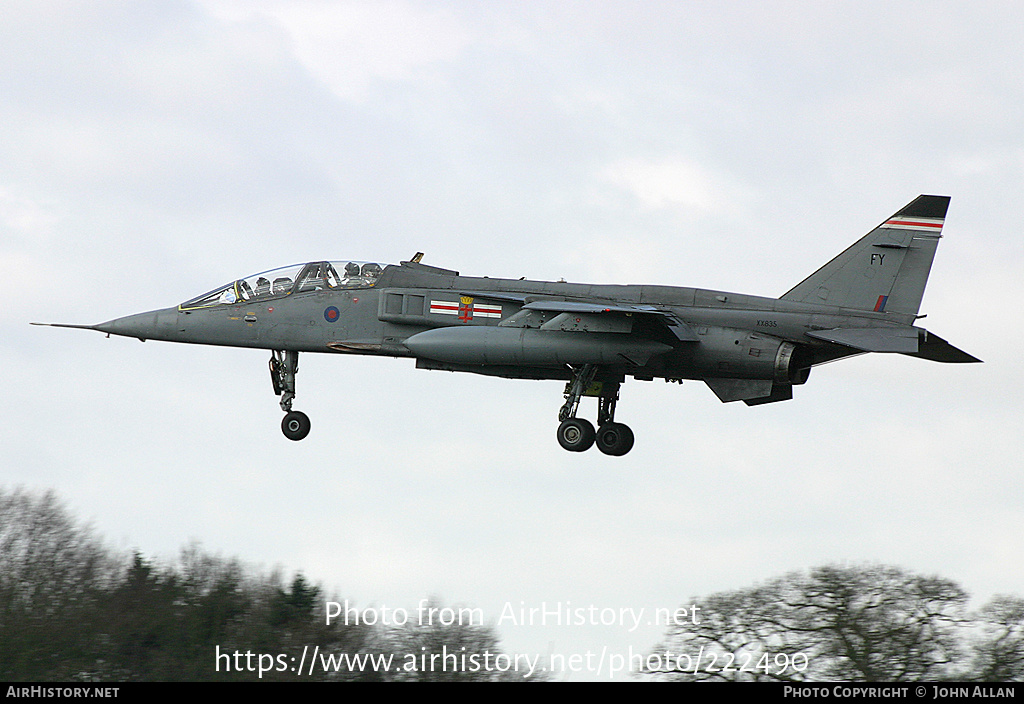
x,y
615,439
578,435
284,365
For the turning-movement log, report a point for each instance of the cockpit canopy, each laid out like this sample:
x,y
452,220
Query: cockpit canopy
x,y
298,278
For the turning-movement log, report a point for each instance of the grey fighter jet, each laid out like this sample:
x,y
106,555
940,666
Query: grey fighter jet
x,y
745,348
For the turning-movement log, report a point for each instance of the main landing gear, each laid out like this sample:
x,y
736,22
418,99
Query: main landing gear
x,y
577,434
284,365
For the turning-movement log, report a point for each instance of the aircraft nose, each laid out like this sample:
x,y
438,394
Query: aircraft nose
x,y
153,325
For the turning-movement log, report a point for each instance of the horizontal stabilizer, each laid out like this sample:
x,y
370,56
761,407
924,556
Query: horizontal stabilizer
x,y
889,339
936,349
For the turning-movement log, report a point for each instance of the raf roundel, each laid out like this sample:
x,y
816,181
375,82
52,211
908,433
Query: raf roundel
x,y
331,314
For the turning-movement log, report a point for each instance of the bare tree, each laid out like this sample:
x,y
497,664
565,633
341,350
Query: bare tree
x,y
52,575
864,623
999,648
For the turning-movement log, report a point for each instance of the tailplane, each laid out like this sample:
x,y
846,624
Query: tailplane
x,y
886,270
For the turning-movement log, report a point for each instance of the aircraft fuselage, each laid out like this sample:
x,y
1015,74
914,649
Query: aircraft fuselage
x,y
748,348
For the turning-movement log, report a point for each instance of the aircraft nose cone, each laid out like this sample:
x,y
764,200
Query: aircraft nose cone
x,y
153,325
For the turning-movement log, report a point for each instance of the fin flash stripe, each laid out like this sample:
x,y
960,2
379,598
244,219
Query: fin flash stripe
x,y
909,223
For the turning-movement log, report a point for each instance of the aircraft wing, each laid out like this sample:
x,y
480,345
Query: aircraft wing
x,y
586,307
675,325
495,296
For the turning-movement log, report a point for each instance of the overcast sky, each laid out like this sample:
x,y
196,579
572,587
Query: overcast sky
x,y
151,151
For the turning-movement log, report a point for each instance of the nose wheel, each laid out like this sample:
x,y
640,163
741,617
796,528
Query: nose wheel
x,y
284,365
295,425
577,434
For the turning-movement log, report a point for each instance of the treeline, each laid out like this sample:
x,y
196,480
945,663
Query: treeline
x,y
72,609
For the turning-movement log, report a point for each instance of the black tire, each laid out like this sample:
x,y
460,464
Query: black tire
x,y
295,425
615,439
576,434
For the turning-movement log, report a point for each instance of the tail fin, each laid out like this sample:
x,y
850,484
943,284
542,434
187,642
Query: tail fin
x,y
886,270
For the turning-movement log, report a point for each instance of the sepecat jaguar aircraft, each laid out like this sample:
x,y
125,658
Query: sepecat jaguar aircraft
x,y
745,348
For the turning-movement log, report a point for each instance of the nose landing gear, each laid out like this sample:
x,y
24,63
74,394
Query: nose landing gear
x,y
284,365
